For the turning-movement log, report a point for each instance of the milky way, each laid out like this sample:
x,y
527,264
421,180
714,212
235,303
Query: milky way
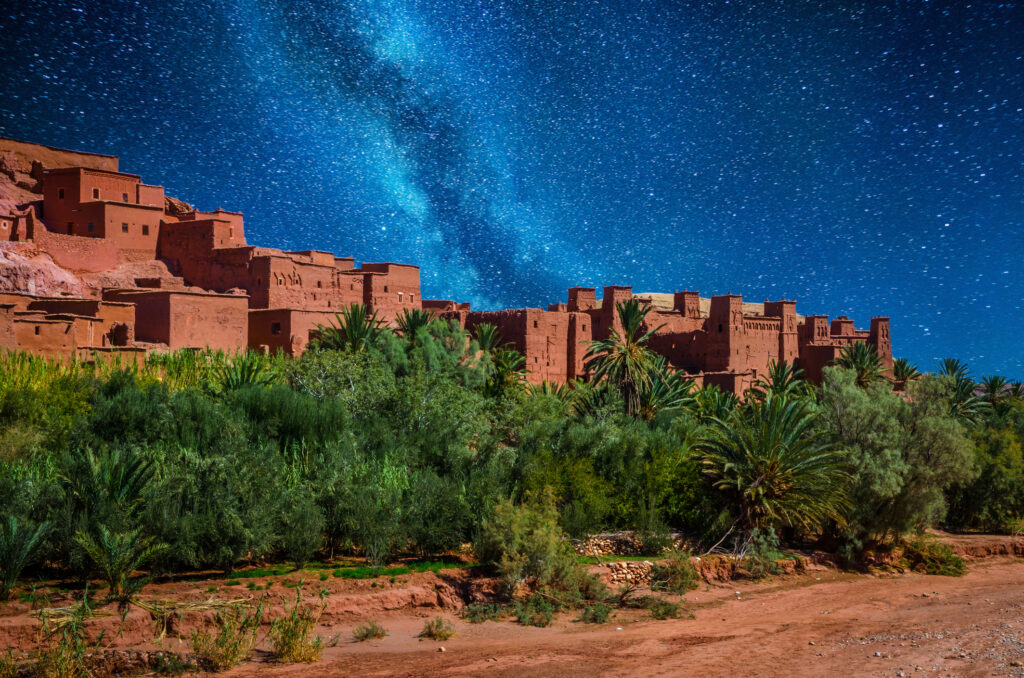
x,y
861,157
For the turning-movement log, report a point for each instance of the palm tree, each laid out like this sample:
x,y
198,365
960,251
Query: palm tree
x,y
18,543
488,337
904,372
563,392
115,555
951,367
712,402
411,321
1016,390
965,402
624,359
246,369
776,463
356,329
782,379
995,388
669,389
862,358
507,371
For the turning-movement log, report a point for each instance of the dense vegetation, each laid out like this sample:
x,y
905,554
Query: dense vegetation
x,y
385,442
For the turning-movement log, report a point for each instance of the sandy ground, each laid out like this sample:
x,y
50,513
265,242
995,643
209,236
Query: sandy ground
x,y
822,622
819,624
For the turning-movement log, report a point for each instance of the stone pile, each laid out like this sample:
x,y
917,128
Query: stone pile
x,y
630,572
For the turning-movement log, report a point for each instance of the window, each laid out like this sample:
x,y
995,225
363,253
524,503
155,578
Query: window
x,y
60,194
92,227
145,229
124,197
399,297
231,233
385,288
124,228
96,193
37,329
71,228
535,324
275,328
412,298
319,283
719,327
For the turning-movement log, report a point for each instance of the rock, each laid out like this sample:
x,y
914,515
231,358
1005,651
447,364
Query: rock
x,y
441,649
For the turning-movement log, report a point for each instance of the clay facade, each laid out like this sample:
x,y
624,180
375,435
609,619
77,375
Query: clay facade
x,y
215,290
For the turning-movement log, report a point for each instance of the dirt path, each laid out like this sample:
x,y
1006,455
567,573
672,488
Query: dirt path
x,y
820,624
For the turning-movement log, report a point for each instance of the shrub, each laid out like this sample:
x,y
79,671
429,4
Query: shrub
x,y
292,636
481,612
930,556
664,609
598,613
18,543
369,631
63,656
762,553
235,635
302,527
437,629
525,545
8,666
675,573
116,555
536,610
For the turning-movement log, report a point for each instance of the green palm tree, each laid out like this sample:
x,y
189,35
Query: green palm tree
x,y
624,359
966,402
862,358
712,402
904,372
669,389
18,543
488,337
246,369
782,379
411,321
951,367
115,555
774,461
1016,390
995,388
353,330
507,372
563,392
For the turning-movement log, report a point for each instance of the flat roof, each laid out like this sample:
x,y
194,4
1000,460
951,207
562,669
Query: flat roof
x,y
80,168
58,148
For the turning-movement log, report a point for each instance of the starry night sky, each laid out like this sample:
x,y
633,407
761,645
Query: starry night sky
x,y
864,158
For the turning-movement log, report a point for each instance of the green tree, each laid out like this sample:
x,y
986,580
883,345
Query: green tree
x,y
19,541
354,329
624,360
904,372
780,469
115,555
411,321
862,358
782,380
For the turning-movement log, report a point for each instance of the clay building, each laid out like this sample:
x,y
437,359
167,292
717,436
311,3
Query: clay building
x,y
94,259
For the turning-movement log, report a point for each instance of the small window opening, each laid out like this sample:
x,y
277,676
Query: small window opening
x,y
37,329
399,297
124,197
96,193
145,229
275,328
719,327
92,227
535,324
319,283
60,194
124,227
71,228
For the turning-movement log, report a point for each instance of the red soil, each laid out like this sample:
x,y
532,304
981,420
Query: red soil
x,y
816,623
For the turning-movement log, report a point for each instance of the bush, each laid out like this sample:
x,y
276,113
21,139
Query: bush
x,y
762,554
675,573
598,613
369,631
8,666
664,609
536,610
18,543
930,556
302,527
292,636
525,545
481,612
236,629
63,656
437,629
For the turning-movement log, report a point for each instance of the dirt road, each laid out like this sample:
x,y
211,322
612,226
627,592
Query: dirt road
x,y
824,623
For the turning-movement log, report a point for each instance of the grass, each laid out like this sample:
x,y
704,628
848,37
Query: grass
x,y
367,572
481,612
931,556
8,667
664,609
234,637
437,629
292,636
368,631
